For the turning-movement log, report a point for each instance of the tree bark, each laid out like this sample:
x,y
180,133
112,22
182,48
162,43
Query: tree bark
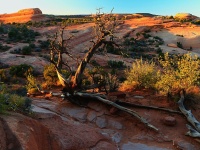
x,y
148,107
79,72
191,119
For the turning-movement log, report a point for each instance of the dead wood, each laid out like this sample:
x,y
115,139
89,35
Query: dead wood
x,y
148,107
190,117
129,111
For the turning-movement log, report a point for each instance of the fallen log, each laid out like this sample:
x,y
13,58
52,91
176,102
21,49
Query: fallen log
x,y
190,117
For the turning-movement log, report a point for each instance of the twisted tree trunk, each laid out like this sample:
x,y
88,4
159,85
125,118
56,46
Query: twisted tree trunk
x,y
79,72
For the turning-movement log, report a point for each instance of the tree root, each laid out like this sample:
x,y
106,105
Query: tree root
x,y
129,111
148,107
193,132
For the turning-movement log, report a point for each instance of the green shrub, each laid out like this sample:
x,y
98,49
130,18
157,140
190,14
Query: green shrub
x,y
98,76
3,75
13,102
32,45
26,50
44,44
116,64
143,74
32,85
50,75
178,72
21,33
21,70
4,48
94,63
179,44
112,82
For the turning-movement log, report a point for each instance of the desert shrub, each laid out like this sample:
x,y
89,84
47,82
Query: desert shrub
x,y
143,74
32,45
94,63
178,72
146,36
50,75
26,50
32,85
116,64
179,35
98,76
112,81
21,70
21,33
44,44
4,48
179,44
3,75
13,102
160,40
1,29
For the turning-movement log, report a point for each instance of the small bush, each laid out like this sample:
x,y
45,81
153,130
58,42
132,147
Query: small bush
x,y
4,48
94,63
142,74
50,75
178,72
13,102
179,44
3,75
32,45
98,76
44,44
26,50
32,85
116,64
21,70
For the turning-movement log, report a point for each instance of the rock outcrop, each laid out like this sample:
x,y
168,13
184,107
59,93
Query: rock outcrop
x,y
22,16
185,16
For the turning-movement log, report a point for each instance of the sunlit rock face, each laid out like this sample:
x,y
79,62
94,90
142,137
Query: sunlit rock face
x,y
185,16
23,16
31,11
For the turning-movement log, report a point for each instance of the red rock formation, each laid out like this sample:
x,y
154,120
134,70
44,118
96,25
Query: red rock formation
x,y
22,16
185,16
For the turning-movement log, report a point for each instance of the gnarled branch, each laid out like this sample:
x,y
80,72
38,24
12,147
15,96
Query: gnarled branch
x,y
190,117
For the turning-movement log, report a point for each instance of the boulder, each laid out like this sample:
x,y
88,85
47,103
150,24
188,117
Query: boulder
x,y
169,121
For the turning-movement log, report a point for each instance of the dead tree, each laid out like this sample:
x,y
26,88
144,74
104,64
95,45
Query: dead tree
x,y
195,130
105,25
59,46
104,34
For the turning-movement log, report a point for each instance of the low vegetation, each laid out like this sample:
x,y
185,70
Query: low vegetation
x,y
21,70
143,74
173,74
13,102
178,72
